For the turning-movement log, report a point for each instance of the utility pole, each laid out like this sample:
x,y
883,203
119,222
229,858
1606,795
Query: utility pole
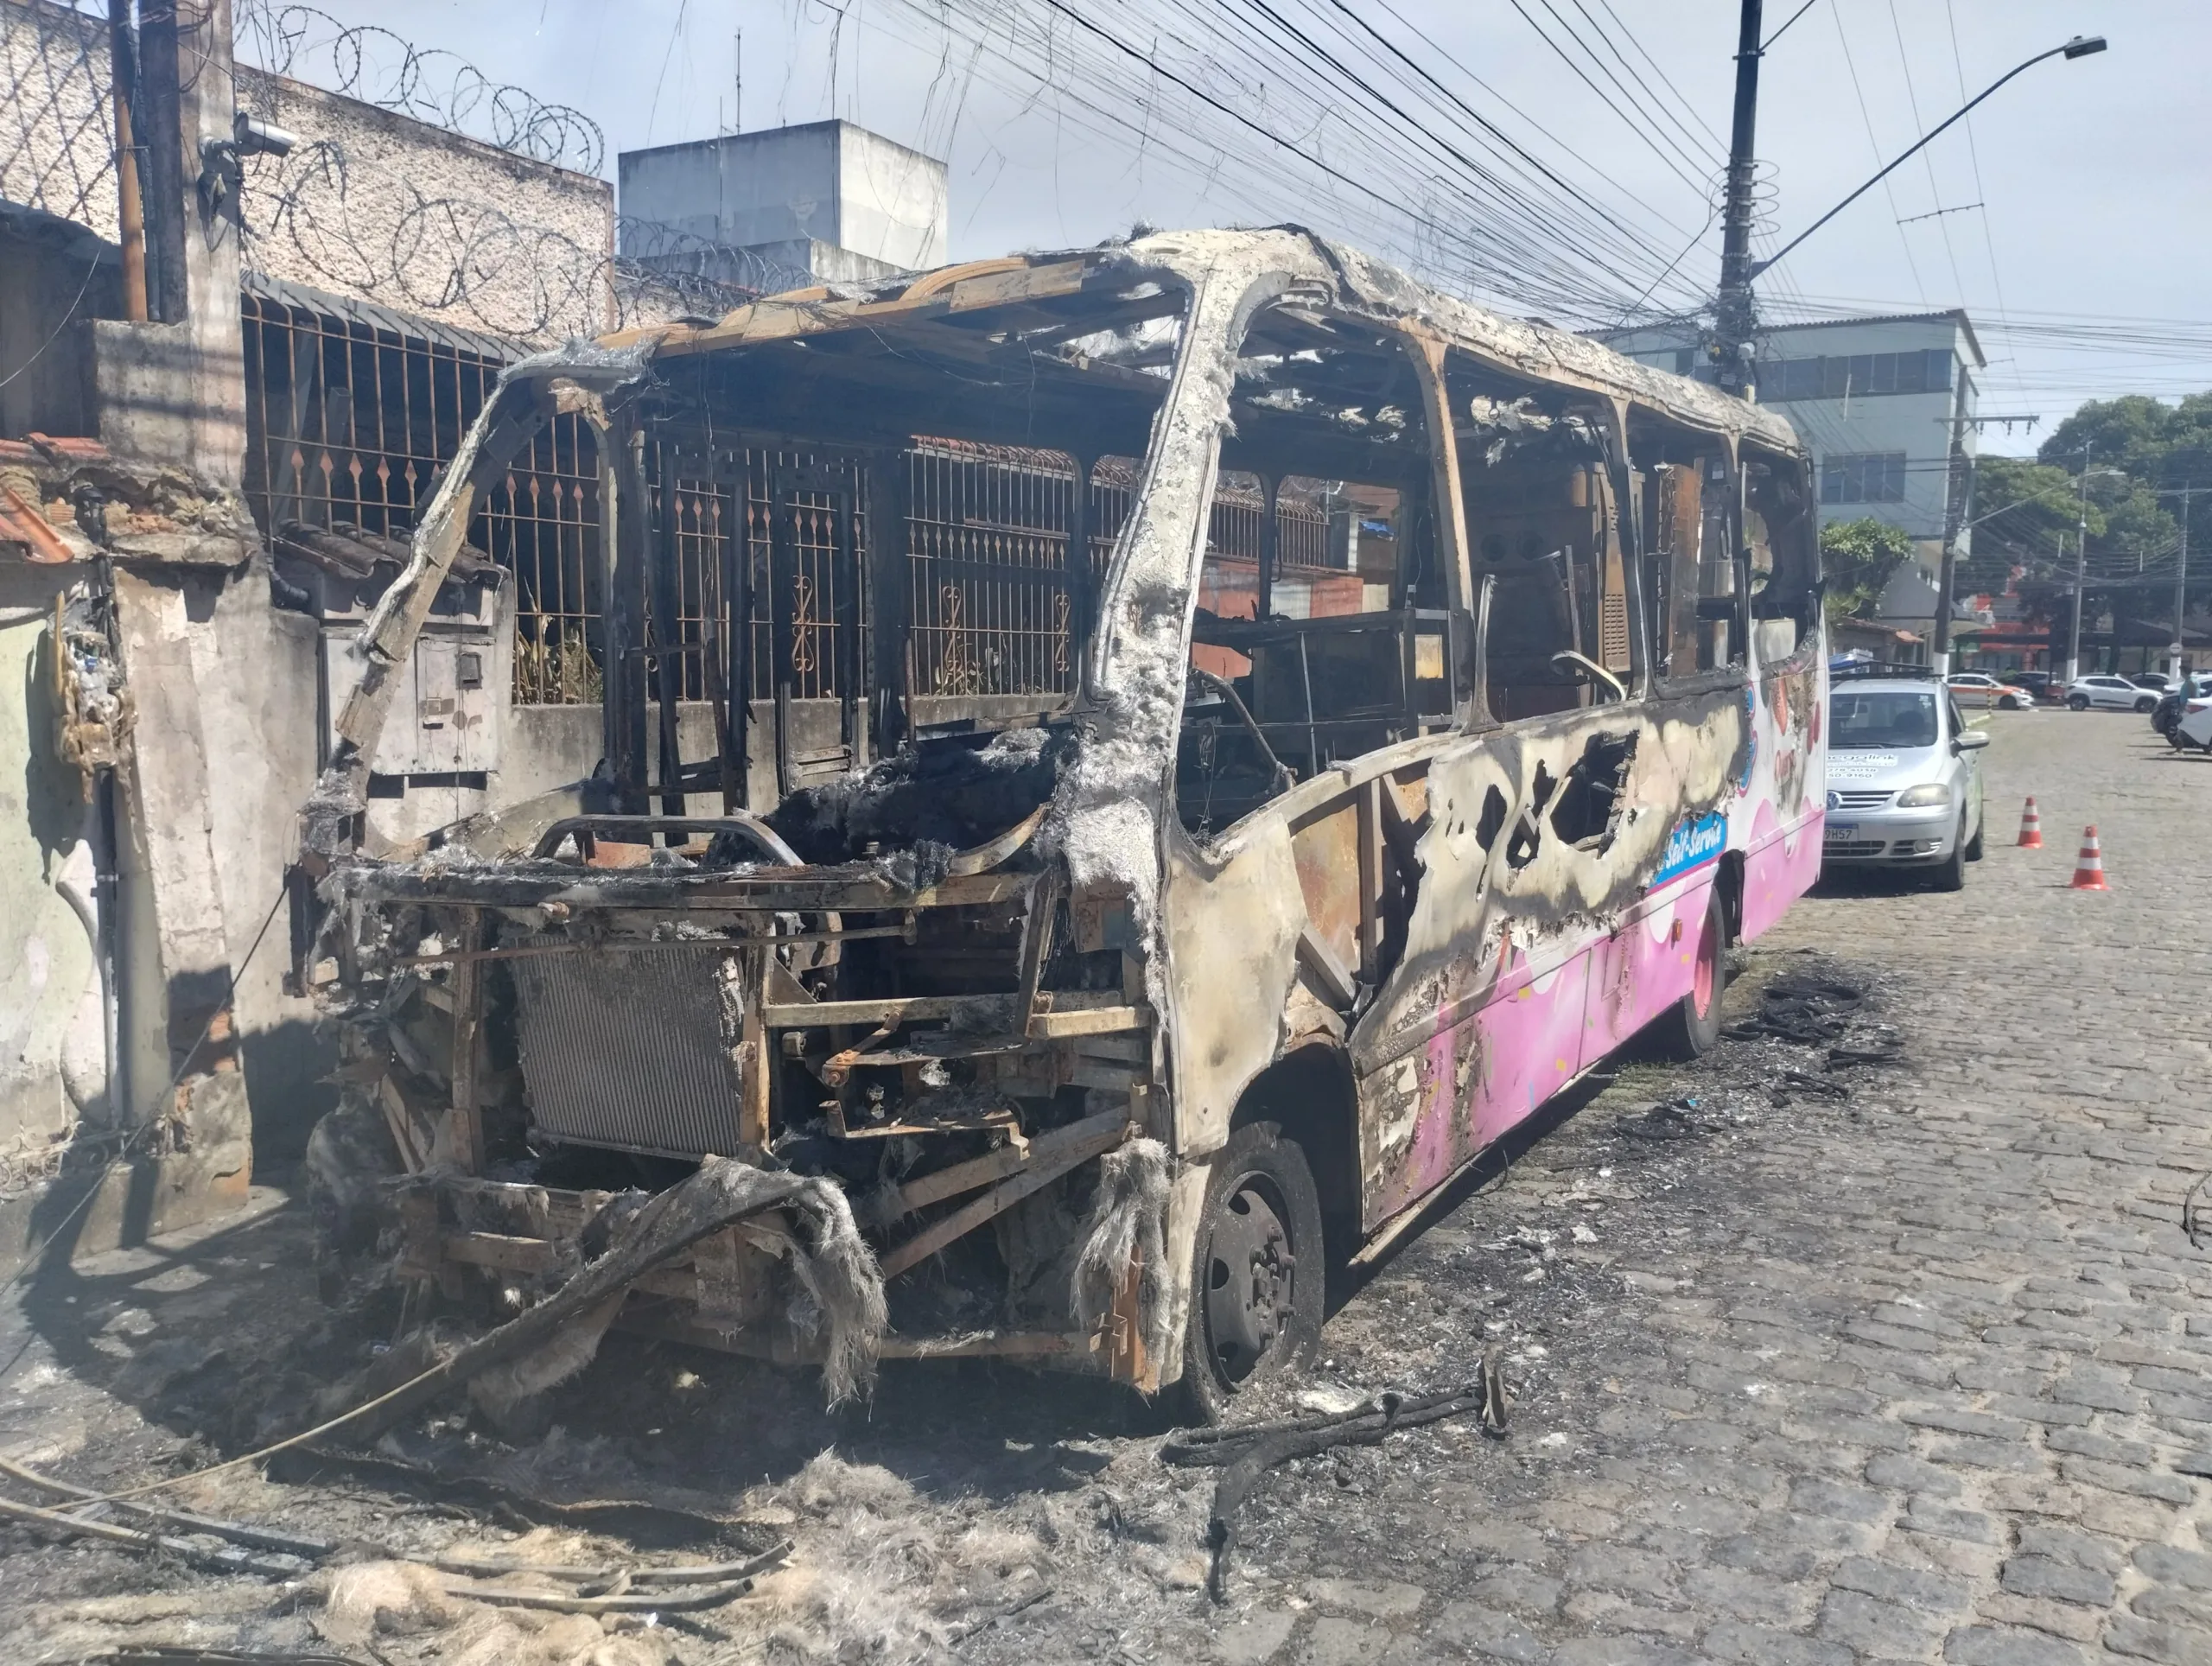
x,y
2175,652
1734,316
2081,571
1958,507
1958,511
130,204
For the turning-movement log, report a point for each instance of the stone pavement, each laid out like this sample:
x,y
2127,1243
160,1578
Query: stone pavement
x,y
1929,1379
1915,1366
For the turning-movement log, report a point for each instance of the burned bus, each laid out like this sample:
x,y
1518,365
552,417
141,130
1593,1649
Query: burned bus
x,y
1124,772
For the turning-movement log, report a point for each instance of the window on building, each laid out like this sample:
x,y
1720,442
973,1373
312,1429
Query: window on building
x,y
1868,477
1856,375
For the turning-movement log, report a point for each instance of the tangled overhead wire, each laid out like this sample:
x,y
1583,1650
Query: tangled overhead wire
x,y
371,63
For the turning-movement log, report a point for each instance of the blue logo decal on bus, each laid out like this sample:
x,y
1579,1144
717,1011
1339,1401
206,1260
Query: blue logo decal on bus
x,y
1692,844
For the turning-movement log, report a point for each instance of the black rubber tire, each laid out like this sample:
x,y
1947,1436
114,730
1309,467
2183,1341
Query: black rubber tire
x,y
1258,1162
2008,703
1950,874
1973,844
2146,705
1687,1032
2078,702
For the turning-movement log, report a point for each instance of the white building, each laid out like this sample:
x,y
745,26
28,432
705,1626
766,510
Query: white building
x,y
1876,400
824,197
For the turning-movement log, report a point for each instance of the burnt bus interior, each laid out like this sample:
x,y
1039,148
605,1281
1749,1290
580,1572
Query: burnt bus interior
x,y
840,651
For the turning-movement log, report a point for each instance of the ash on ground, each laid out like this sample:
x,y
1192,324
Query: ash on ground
x,y
971,1509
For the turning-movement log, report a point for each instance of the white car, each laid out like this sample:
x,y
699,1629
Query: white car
x,y
2110,693
1979,689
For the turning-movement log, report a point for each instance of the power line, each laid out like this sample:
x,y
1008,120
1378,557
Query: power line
x,y
1875,144
1927,156
1651,143
1488,127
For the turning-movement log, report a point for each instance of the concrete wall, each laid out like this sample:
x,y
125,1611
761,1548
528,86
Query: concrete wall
x,y
426,221
893,202
52,273
256,669
827,183
58,159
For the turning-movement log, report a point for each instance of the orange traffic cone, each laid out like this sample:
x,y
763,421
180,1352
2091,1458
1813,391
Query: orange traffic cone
x,y
2089,866
2030,828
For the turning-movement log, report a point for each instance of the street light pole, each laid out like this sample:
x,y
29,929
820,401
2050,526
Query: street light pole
x,y
1734,314
2079,46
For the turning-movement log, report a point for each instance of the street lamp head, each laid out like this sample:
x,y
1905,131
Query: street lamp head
x,y
2081,46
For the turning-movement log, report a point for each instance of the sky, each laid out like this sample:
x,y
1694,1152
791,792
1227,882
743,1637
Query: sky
x,y
2076,237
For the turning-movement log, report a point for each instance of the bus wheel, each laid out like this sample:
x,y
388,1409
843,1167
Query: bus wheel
x,y
1692,1028
1259,1278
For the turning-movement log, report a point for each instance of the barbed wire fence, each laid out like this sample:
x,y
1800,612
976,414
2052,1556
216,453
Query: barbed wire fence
x,y
365,228
356,225
369,62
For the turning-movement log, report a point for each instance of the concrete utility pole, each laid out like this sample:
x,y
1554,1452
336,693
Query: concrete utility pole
x,y
1958,505
129,206
1734,316
1958,511
2175,654
2081,571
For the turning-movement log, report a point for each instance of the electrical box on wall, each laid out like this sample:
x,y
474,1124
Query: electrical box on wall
x,y
448,712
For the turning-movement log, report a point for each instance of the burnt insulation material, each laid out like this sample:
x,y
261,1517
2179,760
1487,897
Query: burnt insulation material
x,y
950,792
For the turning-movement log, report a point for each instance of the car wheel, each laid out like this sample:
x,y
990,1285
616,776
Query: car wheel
x,y
1260,1273
1690,1030
2146,705
1951,873
2008,703
1973,845
2078,702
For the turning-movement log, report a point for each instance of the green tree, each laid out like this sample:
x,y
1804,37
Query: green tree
x,y
2028,517
1857,556
2134,432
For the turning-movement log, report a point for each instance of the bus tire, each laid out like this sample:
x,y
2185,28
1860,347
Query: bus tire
x,y
1259,1275
1692,1028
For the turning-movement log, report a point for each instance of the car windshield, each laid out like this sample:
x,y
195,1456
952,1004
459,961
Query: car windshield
x,y
1881,717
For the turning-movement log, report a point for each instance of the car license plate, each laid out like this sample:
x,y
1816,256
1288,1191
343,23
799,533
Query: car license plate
x,y
1843,829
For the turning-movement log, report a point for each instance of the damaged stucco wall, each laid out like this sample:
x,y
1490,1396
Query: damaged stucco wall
x,y
52,1064
254,665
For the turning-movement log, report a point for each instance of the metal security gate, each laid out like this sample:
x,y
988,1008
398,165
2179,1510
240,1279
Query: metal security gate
x,y
813,581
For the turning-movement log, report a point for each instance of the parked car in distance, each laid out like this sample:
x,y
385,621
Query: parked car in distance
x,y
2109,694
2044,685
1904,778
1981,690
2157,682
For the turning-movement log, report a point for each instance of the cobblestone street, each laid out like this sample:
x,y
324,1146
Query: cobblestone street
x,y
1904,1362
1919,1380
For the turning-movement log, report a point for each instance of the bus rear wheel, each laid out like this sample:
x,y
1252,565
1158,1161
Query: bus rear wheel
x,y
1692,1028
